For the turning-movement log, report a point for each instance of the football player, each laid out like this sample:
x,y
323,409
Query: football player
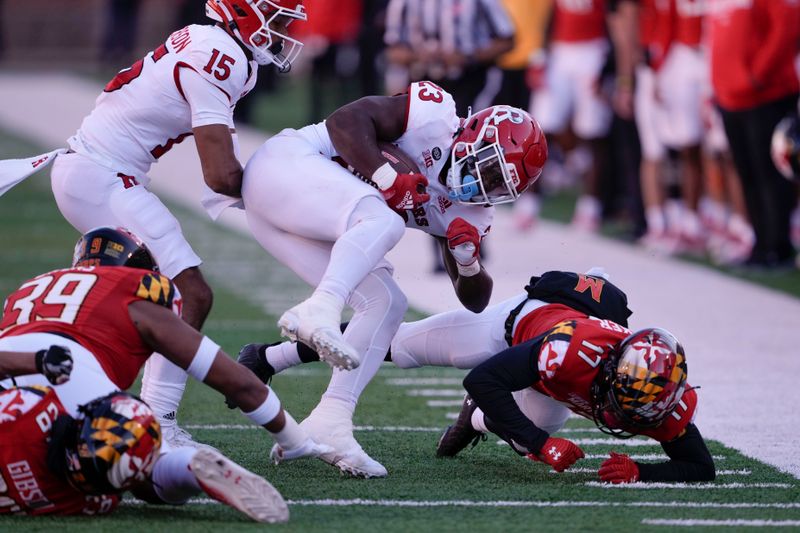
x,y
333,230
187,86
112,309
563,345
52,463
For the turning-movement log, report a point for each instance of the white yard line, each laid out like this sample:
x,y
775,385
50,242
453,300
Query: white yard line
x,y
693,486
432,393
734,522
594,471
646,456
404,382
444,403
512,503
356,428
605,442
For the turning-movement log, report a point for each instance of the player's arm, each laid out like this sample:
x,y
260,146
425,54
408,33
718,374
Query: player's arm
x,y
355,130
689,460
473,285
212,120
491,383
55,363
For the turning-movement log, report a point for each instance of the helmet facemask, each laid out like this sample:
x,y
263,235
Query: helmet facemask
x,y
260,25
479,173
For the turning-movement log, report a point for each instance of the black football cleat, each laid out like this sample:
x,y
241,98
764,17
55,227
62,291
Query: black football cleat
x,y
458,436
252,357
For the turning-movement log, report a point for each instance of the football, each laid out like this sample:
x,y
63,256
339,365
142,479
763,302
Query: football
x,y
400,161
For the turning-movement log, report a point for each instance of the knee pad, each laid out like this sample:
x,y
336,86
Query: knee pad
x,y
379,293
372,209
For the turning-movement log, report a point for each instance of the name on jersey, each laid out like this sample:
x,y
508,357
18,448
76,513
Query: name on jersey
x,y
180,39
28,488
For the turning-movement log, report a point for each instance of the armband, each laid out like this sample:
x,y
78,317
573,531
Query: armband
x,y
267,411
203,359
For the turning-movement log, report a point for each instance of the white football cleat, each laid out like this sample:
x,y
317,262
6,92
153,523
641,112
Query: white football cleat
x,y
315,322
309,448
231,484
177,437
347,455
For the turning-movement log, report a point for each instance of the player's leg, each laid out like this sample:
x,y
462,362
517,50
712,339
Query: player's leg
x,y
459,338
181,473
379,306
289,187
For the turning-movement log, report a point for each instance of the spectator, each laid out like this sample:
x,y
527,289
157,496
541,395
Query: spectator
x,y
121,27
753,48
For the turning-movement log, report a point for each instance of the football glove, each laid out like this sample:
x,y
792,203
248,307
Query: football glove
x,y
55,363
309,448
464,242
619,468
558,453
401,191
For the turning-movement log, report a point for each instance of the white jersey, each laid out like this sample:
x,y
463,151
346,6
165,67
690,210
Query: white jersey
x,y
431,126
143,112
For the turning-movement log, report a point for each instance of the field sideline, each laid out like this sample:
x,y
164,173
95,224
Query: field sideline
x,y
401,415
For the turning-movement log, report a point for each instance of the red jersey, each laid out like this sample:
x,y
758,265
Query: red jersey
x,y
571,354
579,20
27,486
90,306
689,21
656,28
754,44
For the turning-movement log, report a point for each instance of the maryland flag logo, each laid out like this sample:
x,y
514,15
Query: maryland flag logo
x,y
157,289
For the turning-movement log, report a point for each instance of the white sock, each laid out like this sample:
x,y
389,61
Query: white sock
x,y
283,356
172,476
163,384
656,224
379,306
291,436
478,421
373,230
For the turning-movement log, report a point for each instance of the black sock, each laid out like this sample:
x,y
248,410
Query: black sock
x,y
306,353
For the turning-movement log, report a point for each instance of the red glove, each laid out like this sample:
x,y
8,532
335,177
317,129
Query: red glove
x,y
464,242
558,453
406,192
619,468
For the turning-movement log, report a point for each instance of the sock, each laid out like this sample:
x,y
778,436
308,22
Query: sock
x,y
172,476
479,421
280,356
163,384
655,220
291,436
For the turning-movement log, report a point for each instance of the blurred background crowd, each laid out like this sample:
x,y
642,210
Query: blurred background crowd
x,y
659,113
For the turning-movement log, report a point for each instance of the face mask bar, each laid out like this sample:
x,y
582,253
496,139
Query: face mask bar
x,y
271,46
479,174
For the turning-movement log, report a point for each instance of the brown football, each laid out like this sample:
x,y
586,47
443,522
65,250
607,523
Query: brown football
x,y
400,161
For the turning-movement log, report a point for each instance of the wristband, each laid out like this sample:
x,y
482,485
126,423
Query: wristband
x,y
469,270
203,359
267,411
384,176
38,359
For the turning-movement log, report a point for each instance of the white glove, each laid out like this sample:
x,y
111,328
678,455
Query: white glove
x,y
309,448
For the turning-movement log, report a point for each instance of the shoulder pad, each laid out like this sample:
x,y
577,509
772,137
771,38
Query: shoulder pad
x,y
216,57
156,288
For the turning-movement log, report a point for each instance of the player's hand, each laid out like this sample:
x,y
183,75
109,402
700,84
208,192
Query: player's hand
x,y
406,192
55,363
309,448
558,453
464,243
619,468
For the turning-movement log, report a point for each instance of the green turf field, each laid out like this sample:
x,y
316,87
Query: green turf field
x,y
488,488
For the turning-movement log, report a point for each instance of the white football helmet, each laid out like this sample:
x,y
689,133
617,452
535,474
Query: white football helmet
x,y
260,25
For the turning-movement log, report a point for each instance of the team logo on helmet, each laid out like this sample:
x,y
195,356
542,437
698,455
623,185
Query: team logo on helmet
x,y
641,383
497,155
115,444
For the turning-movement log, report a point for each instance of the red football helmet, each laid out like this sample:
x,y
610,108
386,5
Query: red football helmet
x,y
261,26
112,445
499,153
641,383
786,147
